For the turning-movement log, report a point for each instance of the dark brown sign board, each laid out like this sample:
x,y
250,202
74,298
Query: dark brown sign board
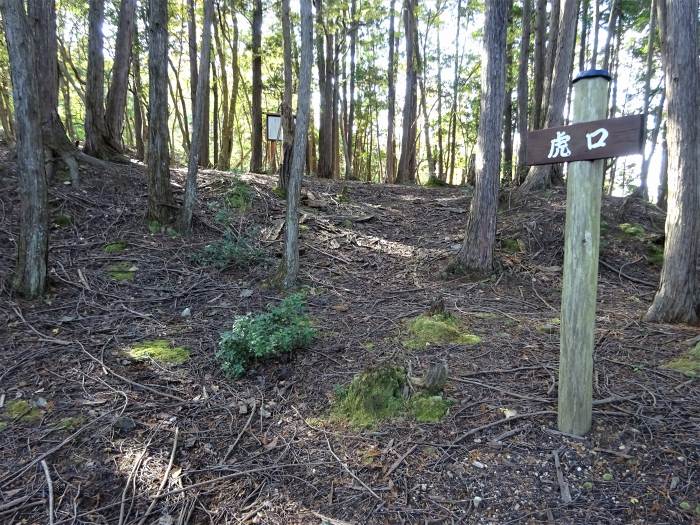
x,y
597,139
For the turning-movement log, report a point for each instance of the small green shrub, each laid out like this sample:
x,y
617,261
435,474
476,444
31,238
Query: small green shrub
x,y
687,363
279,330
633,230
655,254
233,250
239,196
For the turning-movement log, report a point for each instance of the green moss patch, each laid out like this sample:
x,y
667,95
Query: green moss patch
x,y
160,351
429,409
70,423
633,230
377,395
511,245
426,330
371,397
115,247
688,363
434,182
122,271
22,410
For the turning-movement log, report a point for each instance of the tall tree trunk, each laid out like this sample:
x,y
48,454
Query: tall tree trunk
x,y
676,301
476,253
256,161
539,65
287,112
300,137
441,155
95,132
422,66
198,119
160,197
596,32
612,21
508,101
540,177
643,191
137,90
552,45
523,88
585,26
32,249
224,161
390,147
663,175
351,109
406,172
116,95
455,97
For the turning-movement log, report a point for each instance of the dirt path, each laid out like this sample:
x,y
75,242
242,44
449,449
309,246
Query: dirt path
x,y
262,449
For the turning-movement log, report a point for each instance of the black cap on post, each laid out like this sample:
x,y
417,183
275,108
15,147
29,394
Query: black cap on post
x,y
593,73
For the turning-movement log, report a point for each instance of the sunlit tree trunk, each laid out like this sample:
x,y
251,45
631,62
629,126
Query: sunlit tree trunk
x,y
256,160
390,146
539,64
160,198
677,299
406,172
198,119
523,90
455,97
95,132
476,254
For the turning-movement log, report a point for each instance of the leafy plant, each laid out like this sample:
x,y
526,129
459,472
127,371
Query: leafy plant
x,y
239,196
279,330
232,250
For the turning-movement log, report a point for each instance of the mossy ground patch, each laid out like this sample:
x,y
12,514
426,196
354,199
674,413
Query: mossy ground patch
x,y
377,395
688,363
426,330
160,351
22,410
115,247
633,230
122,271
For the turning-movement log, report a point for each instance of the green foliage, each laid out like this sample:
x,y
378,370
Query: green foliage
x,y
122,271
371,397
62,221
279,330
428,330
429,409
154,226
161,351
511,245
655,254
633,230
239,196
115,247
233,250
688,363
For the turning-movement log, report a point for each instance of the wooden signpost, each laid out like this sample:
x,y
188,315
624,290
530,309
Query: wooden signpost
x,y
583,144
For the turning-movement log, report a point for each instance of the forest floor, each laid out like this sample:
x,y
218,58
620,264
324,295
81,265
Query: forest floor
x,y
119,436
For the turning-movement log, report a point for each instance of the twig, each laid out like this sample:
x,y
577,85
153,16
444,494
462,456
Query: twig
x,y
14,502
50,485
134,469
165,477
347,469
563,485
326,519
238,438
620,273
500,422
400,460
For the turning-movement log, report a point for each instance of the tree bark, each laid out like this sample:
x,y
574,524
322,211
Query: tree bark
x,y
552,45
32,249
256,161
224,161
116,95
136,98
406,172
198,120
476,254
540,177
349,169
585,23
676,301
540,32
612,22
287,112
422,66
596,30
441,155
299,153
523,87
455,97
160,198
95,132
390,146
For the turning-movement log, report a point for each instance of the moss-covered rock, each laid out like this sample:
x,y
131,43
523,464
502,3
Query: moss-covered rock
x,y
427,330
688,363
428,409
115,247
122,271
371,397
161,351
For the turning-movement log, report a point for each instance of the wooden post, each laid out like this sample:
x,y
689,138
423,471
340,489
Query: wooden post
x,y
580,280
